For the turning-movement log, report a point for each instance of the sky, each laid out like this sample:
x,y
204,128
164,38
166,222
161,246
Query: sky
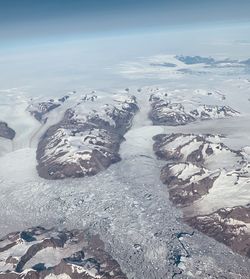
x,y
36,20
56,45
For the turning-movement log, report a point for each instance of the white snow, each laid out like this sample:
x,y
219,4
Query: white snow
x,y
52,256
61,276
224,193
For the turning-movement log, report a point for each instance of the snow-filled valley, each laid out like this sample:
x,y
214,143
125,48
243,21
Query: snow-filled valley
x,y
127,203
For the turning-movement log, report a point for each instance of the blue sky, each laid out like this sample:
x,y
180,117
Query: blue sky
x,y
22,20
56,45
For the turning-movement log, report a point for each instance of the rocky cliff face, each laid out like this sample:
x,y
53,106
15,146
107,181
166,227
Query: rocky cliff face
x,y
6,132
40,253
85,143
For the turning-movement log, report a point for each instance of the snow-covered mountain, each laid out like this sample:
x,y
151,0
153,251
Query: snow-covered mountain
x,y
85,143
166,112
48,254
40,109
199,165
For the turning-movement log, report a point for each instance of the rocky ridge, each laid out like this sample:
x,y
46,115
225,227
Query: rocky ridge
x,y
6,132
85,142
40,253
40,109
165,112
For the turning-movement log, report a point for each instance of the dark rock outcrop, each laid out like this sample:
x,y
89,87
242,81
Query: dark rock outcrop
x,y
190,60
41,109
6,132
169,114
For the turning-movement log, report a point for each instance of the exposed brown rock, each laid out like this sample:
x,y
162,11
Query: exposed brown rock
x,y
227,225
184,191
79,255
